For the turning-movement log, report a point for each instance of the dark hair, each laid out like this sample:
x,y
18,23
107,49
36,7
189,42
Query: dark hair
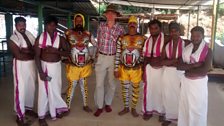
x,y
174,25
78,16
155,21
51,19
198,29
19,19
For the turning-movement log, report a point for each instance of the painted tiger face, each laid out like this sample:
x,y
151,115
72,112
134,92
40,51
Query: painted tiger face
x,y
80,55
130,57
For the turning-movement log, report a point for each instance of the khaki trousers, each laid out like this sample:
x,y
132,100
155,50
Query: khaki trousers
x,y
104,94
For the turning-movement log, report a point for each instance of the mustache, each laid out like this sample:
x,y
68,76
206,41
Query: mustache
x,y
23,29
132,26
79,28
78,25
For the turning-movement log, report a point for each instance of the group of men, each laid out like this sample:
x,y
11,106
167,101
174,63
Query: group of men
x,y
44,53
174,72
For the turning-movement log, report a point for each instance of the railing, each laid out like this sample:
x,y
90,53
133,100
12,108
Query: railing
x,y
3,56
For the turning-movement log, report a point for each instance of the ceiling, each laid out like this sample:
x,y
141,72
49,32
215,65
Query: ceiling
x,y
166,4
88,7
53,7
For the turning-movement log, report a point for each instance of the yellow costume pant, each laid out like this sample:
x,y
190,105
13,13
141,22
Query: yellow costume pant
x,y
132,74
128,76
77,75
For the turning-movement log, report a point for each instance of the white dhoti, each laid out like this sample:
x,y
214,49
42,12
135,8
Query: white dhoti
x,y
171,92
50,91
193,102
24,75
152,102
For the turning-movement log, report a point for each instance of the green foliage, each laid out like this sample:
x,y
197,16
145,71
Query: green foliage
x,y
101,8
220,36
172,11
221,9
167,11
130,9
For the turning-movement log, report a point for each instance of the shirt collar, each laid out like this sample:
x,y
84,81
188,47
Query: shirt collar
x,y
114,26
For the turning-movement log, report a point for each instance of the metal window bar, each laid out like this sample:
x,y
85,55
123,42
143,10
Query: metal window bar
x,y
3,53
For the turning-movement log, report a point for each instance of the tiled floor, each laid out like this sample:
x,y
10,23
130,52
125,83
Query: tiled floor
x,y
80,118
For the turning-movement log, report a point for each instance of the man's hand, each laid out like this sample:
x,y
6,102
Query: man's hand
x,y
66,61
43,76
51,49
154,63
180,65
91,61
65,53
174,63
167,62
116,74
27,50
187,74
96,57
144,64
97,54
197,64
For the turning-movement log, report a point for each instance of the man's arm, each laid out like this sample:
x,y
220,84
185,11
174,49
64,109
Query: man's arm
x,y
184,66
167,39
165,61
141,59
169,62
153,61
43,76
98,40
117,58
65,48
203,69
122,32
98,35
186,42
17,52
158,61
93,41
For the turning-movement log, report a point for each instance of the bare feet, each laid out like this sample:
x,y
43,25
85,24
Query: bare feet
x,y
43,122
161,118
63,114
166,123
66,113
147,116
20,122
31,113
87,109
59,115
124,111
134,113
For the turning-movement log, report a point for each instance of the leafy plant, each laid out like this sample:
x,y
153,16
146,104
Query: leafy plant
x,y
101,8
220,36
221,9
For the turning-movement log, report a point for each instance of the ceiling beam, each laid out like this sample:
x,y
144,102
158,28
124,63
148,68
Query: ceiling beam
x,y
156,3
44,5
